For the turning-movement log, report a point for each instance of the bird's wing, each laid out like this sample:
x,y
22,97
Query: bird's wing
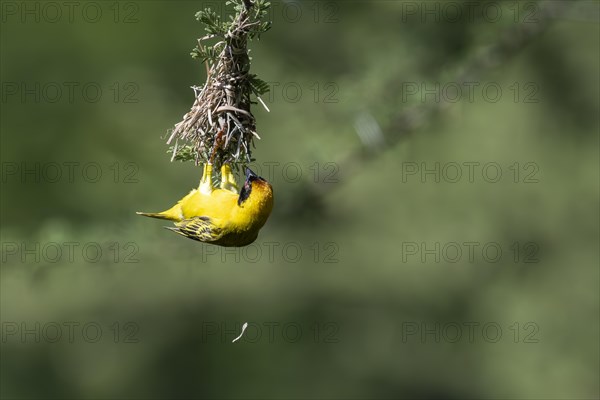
x,y
202,229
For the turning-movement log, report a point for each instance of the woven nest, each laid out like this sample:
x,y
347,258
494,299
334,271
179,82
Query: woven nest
x,y
220,128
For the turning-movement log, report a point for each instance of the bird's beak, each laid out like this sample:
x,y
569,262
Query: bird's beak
x,y
250,175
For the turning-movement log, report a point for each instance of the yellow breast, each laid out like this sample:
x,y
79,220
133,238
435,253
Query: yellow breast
x,y
217,205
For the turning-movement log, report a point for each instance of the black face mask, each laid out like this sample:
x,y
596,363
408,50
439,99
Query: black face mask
x,y
245,192
247,188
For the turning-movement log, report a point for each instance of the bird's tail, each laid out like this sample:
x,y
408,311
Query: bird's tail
x,y
160,215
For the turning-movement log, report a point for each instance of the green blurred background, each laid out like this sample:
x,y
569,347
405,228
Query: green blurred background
x,y
354,288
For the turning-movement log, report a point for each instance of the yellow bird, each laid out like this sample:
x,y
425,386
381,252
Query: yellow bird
x,y
222,216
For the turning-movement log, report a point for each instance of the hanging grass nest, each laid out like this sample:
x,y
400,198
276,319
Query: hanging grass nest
x,y
220,128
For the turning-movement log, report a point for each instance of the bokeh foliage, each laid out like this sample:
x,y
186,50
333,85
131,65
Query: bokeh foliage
x,y
366,52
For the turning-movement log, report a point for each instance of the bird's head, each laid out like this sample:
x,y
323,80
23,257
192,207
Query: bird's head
x,y
255,190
